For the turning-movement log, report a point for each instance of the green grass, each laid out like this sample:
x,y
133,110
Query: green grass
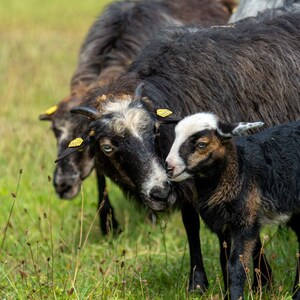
x,y
53,249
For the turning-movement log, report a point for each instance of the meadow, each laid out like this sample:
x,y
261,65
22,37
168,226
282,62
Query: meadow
x,y
53,249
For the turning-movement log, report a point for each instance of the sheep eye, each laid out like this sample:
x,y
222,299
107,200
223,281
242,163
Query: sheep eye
x,y
201,145
107,148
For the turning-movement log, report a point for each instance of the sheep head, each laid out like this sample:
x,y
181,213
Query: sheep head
x,y
201,141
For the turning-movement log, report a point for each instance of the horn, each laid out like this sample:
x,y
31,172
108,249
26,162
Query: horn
x,y
138,92
90,112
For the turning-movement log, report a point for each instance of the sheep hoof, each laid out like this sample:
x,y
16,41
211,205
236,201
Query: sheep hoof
x,y
198,283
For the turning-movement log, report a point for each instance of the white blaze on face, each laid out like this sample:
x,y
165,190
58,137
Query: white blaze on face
x,y
132,117
183,130
156,178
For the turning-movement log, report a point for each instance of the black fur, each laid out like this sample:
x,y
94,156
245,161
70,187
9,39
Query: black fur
x,y
268,161
114,40
250,71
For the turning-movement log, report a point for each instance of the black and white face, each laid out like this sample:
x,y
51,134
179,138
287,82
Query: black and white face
x,y
127,135
201,144
194,147
70,171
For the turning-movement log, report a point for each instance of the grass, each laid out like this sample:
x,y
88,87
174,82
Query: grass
x,y
52,249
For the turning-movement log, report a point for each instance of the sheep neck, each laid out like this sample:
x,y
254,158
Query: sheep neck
x,y
224,184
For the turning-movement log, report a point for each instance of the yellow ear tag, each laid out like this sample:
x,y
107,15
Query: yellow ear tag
x,y
51,110
162,112
75,143
92,133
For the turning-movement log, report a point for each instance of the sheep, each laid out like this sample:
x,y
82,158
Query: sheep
x,y
242,71
250,8
114,40
242,183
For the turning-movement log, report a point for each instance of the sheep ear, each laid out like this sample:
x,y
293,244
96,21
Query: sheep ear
x,y
86,139
165,116
236,129
77,144
47,115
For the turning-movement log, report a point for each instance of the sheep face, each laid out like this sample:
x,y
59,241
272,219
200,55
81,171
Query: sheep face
x,y
70,171
196,147
200,145
126,134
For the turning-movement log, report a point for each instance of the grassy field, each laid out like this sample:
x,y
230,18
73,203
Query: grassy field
x,y
52,249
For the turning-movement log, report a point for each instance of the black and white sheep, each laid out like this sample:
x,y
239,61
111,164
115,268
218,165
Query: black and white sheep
x,y
242,71
114,40
242,183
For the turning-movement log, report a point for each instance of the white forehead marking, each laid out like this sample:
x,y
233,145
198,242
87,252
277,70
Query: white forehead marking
x,y
183,130
191,125
66,130
134,119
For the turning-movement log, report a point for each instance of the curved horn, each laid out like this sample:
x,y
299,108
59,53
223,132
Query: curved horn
x,y
90,112
138,92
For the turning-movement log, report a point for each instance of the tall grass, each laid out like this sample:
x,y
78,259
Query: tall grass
x,y
53,249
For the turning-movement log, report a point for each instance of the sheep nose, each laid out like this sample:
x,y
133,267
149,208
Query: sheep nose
x,y
169,169
161,193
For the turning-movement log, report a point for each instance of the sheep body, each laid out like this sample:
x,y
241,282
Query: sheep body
x,y
113,41
242,184
249,71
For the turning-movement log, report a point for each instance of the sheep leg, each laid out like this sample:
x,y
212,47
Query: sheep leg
x,y
294,224
260,263
105,209
198,280
243,244
225,245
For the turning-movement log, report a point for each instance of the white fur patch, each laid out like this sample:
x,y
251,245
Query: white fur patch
x,y
133,119
155,178
65,131
268,218
193,29
181,177
183,130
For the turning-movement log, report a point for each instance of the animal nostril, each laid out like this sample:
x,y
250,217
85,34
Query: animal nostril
x,y
169,169
167,184
161,193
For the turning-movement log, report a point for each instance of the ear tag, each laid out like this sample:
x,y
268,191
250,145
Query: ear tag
x,y
92,133
162,112
75,143
51,110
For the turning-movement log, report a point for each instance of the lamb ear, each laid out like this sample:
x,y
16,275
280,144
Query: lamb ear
x,y
236,129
